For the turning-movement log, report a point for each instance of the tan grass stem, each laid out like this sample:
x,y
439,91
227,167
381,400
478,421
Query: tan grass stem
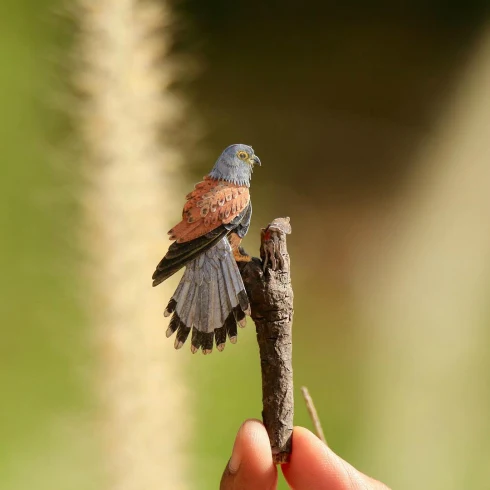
x,y
128,204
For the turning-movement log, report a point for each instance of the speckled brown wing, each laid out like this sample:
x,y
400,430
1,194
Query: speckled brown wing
x,y
212,210
212,203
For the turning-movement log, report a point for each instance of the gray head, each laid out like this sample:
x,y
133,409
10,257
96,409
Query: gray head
x,y
235,165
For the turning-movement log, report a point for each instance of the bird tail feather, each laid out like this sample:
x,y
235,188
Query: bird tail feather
x,y
210,300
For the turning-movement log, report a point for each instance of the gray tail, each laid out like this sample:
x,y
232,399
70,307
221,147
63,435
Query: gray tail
x,y
210,300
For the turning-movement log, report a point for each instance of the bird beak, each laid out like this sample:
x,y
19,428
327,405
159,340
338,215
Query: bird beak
x,y
255,160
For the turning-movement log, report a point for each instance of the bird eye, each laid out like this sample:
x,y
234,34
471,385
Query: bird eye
x,y
242,155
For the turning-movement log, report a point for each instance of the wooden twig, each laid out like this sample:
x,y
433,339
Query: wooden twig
x,y
268,284
313,414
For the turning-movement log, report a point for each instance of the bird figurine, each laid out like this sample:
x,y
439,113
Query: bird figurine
x,y
211,298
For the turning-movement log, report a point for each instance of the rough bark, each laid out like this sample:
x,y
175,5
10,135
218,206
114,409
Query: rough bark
x,y
268,284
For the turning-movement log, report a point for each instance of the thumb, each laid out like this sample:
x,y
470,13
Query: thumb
x,y
314,465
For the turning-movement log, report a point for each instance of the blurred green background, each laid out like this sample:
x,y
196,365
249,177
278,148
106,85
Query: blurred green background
x,y
353,109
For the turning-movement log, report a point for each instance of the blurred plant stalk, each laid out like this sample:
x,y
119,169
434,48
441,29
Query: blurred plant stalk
x,y
123,74
426,294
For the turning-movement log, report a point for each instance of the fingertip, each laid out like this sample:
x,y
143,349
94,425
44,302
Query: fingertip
x,y
251,437
251,464
255,444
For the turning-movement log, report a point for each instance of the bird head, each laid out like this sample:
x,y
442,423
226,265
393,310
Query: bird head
x,y
235,165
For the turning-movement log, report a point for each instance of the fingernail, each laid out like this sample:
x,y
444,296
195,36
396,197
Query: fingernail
x,y
235,460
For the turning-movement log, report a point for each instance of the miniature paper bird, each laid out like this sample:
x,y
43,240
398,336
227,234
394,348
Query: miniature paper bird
x,y
210,298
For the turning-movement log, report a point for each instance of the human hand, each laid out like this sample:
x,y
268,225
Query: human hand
x,y
313,465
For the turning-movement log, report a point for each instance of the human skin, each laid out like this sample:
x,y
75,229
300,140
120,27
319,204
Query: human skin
x,y
313,465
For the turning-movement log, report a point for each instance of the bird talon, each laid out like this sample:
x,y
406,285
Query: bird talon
x,y
240,255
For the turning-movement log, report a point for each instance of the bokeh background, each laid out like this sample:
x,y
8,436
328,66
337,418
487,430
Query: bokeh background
x,y
372,120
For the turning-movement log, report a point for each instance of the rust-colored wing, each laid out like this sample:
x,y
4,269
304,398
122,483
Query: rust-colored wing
x,y
212,203
212,210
